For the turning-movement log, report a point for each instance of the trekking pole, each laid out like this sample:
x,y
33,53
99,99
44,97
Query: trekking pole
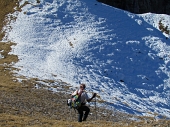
x,y
70,114
95,109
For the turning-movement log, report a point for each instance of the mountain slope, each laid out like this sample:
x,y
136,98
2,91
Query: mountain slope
x,y
117,54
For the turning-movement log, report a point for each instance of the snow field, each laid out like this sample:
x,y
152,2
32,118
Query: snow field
x,y
119,55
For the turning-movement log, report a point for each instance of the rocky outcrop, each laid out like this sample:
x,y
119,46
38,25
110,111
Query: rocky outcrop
x,y
141,6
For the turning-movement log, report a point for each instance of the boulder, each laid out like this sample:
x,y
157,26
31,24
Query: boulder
x,y
141,6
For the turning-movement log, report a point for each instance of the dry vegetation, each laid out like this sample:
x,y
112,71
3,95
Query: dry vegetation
x,y
7,6
163,28
21,104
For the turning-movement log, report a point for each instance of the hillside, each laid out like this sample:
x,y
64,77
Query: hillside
x,y
121,56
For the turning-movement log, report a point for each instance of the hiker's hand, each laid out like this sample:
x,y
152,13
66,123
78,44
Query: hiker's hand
x,y
94,95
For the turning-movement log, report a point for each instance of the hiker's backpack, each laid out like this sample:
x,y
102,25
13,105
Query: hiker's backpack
x,y
74,102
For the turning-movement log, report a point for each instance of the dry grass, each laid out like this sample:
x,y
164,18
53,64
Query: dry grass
x,y
163,28
6,75
7,6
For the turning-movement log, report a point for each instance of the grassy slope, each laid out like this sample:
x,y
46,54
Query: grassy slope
x,y
23,105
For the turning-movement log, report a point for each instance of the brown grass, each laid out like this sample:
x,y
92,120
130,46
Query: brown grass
x,y
6,74
163,28
6,7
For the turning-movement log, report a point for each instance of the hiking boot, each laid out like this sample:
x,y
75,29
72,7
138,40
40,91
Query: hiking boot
x,y
80,118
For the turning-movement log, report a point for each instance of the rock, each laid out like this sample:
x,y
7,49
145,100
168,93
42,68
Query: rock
x,y
141,6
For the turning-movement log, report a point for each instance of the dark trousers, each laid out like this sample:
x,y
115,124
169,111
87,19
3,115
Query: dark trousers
x,y
83,109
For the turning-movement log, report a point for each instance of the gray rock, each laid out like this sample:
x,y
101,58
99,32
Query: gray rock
x,y
141,6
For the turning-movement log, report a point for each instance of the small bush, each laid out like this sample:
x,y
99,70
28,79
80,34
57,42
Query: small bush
x,y
163,28
38,1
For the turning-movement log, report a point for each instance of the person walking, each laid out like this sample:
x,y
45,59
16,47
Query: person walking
x,y
83,110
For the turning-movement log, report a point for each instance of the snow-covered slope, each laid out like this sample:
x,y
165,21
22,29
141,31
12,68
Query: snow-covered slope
x,y
156,19
117,54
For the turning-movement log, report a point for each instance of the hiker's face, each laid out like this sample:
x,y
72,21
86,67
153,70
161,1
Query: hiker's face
x,y
81,87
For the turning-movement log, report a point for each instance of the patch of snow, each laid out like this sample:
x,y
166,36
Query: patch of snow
x,y
118,54
1,56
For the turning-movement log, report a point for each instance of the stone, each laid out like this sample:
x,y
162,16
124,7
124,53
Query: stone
x,y
141,6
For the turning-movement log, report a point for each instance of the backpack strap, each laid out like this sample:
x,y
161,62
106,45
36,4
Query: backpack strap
x,y
79,94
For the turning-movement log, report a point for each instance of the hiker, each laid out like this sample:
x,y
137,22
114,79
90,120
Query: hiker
x,y
83,99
